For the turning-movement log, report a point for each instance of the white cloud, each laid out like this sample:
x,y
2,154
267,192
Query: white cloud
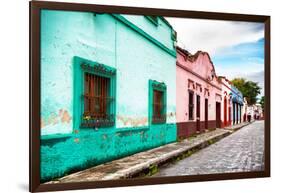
x,y
255,75
214,36
232,71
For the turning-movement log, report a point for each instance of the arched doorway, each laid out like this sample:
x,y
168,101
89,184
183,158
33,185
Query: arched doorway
x,y
229,112
225,112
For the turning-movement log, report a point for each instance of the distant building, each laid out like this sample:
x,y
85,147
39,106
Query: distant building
x,y
237,104
244,109
226,101
255,111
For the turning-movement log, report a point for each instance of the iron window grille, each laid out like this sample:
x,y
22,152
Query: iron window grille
x,y
97,101
158,102
158,107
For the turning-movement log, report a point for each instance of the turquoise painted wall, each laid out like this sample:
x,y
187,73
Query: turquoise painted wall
x,y
139,51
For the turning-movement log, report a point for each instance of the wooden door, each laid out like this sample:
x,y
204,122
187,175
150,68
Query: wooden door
x,y
237,118
198,113
233,113
206,113
225,112
229,115
218,114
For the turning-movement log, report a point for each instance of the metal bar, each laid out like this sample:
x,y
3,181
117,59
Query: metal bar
x,y
102,97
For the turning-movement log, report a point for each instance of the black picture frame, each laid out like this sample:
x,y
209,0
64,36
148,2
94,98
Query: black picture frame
x,y
34,99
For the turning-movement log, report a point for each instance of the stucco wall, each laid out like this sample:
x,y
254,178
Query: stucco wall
x,y
154,30
104,39
226,93
202,67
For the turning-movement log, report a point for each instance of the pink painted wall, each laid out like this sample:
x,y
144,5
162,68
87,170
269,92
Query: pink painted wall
x,y
226,90
201,66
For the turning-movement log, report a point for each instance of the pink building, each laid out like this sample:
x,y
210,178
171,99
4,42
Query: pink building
x,y
199,94
226,107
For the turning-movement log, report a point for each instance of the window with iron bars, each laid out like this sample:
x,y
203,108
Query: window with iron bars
x,y
157,102
97,101
158,106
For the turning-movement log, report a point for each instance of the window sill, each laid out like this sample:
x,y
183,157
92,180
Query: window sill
x,y
159,120
158,123
96,125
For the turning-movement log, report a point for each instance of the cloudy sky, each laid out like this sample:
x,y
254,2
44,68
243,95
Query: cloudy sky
x,y
236,48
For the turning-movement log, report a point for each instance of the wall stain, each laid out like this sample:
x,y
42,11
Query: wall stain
x,y
76,140
132,121
142,121
55,118
64,115
104,136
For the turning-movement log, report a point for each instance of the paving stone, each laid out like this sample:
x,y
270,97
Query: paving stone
x,y
240,152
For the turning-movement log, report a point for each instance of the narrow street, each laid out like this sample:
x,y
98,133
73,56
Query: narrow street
x,y
240,152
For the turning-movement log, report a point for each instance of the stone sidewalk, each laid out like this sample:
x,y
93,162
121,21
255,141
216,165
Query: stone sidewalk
x,y
133,165
236,127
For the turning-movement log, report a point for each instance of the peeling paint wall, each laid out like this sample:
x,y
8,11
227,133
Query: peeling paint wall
x,y
104,39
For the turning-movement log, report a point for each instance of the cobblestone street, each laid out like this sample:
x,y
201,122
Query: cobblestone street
x,y
240,152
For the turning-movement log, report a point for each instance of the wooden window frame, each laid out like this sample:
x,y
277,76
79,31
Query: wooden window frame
x,y
159,87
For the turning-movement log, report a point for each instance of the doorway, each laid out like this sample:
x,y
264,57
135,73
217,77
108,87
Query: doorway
x,y
229,116
197,113
206,113
218,115
225,112
237,111
233,113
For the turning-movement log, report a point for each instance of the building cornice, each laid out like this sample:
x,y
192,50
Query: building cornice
x,y
197,75
193,57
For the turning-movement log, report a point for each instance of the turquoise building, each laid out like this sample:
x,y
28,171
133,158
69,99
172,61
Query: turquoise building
x,y
108,88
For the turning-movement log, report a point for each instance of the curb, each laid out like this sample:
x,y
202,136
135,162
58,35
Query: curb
x,y
237,128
